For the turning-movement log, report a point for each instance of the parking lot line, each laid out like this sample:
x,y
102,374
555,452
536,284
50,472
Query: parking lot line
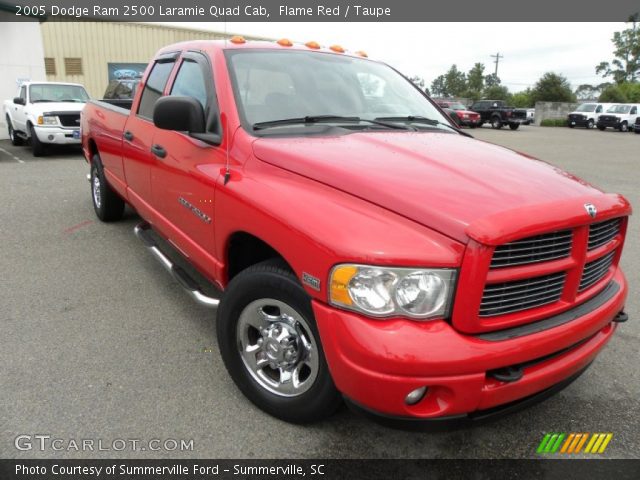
x,y
11,155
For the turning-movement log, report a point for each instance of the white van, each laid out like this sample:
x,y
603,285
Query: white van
x,y
620,117
586,115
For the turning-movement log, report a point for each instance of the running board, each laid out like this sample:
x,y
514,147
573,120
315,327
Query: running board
x,y
179,274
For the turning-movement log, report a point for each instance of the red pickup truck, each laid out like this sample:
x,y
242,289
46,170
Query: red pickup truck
x,y
366,249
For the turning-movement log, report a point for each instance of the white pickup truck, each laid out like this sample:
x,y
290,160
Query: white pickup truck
x,y
45,113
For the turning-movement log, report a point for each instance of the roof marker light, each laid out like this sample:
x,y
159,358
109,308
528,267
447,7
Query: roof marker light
x,y
337,48
237,39
312,44
362,54
285,42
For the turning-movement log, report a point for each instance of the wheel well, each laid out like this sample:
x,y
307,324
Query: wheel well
x,y
246,250
93,148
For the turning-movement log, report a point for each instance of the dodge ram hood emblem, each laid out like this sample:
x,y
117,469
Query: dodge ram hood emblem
x,y
591,209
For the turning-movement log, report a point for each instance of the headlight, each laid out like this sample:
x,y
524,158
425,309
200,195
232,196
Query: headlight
x,y
388,292
47,120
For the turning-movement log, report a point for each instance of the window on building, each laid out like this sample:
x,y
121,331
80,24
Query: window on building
x,y
154,87
73,66
50,66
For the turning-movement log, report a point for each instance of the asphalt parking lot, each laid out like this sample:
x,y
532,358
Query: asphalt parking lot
x,y
99,342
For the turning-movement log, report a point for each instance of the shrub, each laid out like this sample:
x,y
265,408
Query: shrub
x,y
554,122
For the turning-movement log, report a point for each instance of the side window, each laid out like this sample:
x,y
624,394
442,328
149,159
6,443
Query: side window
x,y
190,82
634,110
599,109
23,92
154,87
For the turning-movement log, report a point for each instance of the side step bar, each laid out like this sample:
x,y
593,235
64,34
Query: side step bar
x,y
181,276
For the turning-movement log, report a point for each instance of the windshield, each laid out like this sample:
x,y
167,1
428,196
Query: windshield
x,y
586,107
277,85
619,109
51,92
457,106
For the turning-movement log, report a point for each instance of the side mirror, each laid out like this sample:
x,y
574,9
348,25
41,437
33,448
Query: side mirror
x,y
183,114
18,100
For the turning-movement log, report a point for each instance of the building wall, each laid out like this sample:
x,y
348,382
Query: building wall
x,y
554,110
100,43
17,62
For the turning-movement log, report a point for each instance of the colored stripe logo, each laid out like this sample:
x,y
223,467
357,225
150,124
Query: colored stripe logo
x,y
574,443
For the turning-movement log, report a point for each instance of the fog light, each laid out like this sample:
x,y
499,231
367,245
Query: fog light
x,y
50,137
415,396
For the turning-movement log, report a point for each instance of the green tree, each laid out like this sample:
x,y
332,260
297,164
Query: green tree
x,y
455,80
612,94
496,92
475,78
492,80
626,65
522,99
439,87
552,87
418,82
587,92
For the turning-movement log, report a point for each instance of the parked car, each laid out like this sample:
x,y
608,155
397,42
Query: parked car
x,y
463,115
636,126
498,114
45,113
384,258
531,116
587,114
618,117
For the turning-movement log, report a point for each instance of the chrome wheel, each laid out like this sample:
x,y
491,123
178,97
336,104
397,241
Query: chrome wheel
x,y
95,187
277,347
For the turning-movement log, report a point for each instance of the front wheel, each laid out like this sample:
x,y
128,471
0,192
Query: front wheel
x,y
37,147
590,123
106,203
514,126
271,347
624,127
601,128
496,123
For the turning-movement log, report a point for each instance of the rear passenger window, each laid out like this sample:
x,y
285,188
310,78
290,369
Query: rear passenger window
x,y
154,87
190,82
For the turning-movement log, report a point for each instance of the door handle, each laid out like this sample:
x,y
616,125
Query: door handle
x,y
158,151
128,135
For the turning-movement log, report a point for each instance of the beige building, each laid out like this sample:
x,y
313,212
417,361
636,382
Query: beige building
x,y
82,51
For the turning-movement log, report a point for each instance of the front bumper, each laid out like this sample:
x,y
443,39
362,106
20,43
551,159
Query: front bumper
x,y
375,364
609,124
58,135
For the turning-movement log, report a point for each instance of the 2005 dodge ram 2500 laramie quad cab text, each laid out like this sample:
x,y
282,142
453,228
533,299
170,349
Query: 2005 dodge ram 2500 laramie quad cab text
x,y
366,249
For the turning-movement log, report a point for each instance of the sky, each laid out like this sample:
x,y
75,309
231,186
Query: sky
x,y
429,49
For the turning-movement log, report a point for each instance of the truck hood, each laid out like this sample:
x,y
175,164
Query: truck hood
x,y
443,181
45,107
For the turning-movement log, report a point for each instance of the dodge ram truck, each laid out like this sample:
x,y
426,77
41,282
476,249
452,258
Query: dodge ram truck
x,y
498,114
45,113
361,247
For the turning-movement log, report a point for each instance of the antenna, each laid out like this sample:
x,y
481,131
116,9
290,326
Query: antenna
x,y
227,169
497,57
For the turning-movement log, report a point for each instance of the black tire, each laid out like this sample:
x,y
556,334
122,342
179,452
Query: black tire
x,y
601,128
15,139
571,126
637,130
37,147
624,127
473,125
514,126
591,124
496,123
265,282
107,204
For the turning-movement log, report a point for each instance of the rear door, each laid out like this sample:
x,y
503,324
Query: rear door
x,y
138,135
184,175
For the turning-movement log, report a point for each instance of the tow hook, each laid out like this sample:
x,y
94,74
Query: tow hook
x,y
507,374
621,317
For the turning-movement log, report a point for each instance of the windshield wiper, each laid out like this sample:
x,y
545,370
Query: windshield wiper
x,y
424,120
311,119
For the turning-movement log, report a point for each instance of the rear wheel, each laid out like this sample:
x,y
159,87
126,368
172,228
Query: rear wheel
x,y
106,203
271,347
15,139
496,123
601,128
514,126
37,147
571,125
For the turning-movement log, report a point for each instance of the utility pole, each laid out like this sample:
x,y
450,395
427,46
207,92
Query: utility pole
x,y
497,57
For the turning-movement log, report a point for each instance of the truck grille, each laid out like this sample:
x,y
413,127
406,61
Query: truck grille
x,y
603,232
608,118
595,271
576,117
508,297
71,119
540,248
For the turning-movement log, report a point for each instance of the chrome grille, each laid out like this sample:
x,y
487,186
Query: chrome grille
x,y
595,271
540,248
508,297
603,232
